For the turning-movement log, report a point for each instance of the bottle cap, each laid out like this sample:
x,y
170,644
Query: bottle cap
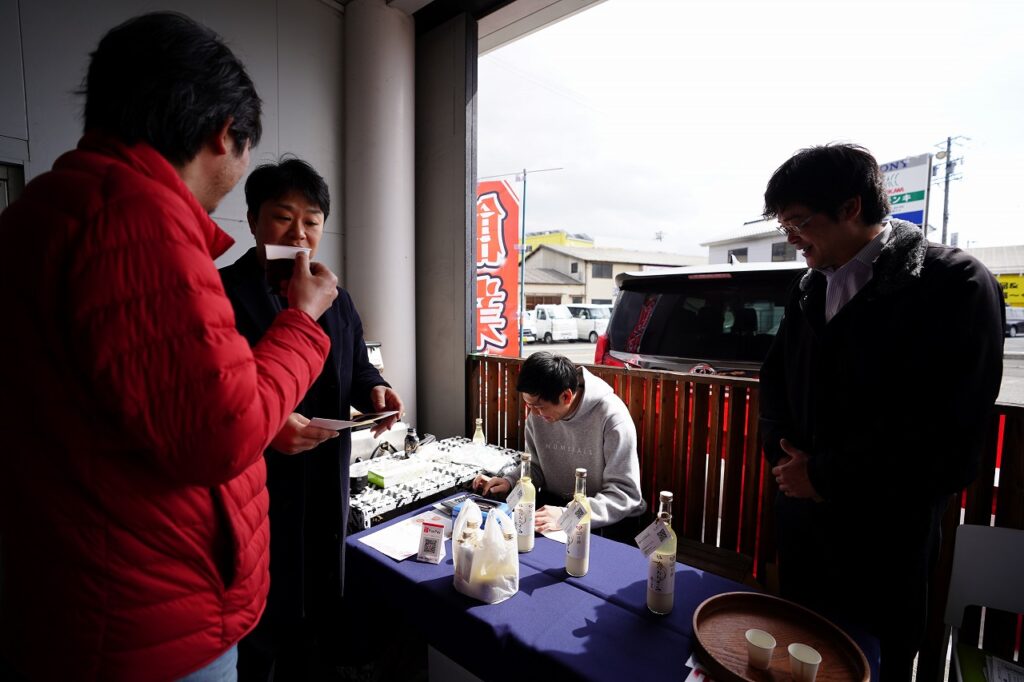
x,y
525,457
666,496
581,473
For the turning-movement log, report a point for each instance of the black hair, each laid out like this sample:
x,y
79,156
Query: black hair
x,y
824,177
274,180
166,80
547,375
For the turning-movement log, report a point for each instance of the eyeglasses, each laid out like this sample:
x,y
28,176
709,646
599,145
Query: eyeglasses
x,y
533,407
794,229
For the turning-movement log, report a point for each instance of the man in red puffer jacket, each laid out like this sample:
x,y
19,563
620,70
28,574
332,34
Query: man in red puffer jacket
x,y
133,507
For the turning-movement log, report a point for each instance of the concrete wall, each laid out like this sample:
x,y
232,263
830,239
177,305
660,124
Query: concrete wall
x,y
292,49
603,288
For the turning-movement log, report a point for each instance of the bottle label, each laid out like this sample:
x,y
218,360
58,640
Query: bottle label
x,y
571,517
577,543
652,537
524,518
513,497
661,573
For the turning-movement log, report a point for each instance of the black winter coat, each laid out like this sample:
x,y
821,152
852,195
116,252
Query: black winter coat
x,y
309,491
891,396
889,399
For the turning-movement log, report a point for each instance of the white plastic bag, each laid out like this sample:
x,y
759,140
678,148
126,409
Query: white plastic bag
x,y
486,562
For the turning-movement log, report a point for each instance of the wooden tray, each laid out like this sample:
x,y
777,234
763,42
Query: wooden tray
x,y
720,623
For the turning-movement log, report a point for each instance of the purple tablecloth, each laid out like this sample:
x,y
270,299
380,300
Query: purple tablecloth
x,y
596,627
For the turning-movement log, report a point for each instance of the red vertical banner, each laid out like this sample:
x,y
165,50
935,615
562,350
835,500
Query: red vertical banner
x,y
497,269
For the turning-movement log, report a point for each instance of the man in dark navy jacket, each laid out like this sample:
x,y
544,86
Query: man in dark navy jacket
x,y
874,397
307,467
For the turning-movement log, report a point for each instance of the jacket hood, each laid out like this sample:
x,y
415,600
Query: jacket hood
x,y
594,391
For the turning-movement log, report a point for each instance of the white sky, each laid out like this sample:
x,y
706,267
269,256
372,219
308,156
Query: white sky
x,y
671,115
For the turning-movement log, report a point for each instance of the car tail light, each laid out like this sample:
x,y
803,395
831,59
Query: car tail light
x,y
601,354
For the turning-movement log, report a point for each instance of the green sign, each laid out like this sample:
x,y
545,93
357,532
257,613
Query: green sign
x,y
906,197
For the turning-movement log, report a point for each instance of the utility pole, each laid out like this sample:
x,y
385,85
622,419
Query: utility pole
x,y
951,164
945,193
521,248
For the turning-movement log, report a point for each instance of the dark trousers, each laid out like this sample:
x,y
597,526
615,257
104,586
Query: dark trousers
x,y
870,567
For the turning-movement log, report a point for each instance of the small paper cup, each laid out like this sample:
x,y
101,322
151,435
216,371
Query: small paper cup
x,y
281,264
278,252
803,662
760,646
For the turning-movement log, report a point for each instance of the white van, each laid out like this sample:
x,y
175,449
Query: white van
x,y
554,323
528,323
591,320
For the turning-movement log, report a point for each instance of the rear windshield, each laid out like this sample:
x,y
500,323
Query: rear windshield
x,y
733,318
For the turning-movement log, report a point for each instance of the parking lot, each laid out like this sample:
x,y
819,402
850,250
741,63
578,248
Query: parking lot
x,y
1012,390
580,351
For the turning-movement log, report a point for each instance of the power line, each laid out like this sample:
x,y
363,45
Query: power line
x,y
519,173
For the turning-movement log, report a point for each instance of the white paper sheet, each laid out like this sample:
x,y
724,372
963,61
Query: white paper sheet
x,y
556,535
402,540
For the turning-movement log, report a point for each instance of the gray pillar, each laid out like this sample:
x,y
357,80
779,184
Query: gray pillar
x,y
445,217
379,198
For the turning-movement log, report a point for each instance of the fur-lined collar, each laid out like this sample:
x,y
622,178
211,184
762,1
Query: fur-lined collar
x,y
899,264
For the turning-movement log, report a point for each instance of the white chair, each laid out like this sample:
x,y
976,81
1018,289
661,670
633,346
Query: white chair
x,y
988,570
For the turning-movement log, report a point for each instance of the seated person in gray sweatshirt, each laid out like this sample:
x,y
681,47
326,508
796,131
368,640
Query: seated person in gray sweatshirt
x,y
576,420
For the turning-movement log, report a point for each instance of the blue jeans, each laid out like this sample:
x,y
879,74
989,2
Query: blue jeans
x,y
224,669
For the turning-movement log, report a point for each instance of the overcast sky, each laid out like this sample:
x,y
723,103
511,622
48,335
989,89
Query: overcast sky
x,y
671,115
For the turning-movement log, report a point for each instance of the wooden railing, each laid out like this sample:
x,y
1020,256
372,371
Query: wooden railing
x,y
698,437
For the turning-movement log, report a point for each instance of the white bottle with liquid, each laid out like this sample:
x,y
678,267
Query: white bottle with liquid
x,y
526,509
465,550
661,571
577,546
478,435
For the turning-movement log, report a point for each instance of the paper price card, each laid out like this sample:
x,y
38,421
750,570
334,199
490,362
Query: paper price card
x,y
572,516
431,548
515,496
651,537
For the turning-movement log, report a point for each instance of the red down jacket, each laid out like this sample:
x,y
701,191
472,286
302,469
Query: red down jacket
x,y
133,506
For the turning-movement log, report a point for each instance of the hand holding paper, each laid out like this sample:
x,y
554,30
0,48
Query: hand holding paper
x,y
384,398
299,434
342,424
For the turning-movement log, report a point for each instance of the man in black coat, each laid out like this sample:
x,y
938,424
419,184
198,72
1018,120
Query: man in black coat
x,y
307,467
874,397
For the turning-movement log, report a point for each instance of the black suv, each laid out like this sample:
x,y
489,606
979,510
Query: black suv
x,y
715,319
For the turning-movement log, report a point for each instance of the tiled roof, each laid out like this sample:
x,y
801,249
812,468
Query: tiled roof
x,y
1000,259
629,256
548,276
751,230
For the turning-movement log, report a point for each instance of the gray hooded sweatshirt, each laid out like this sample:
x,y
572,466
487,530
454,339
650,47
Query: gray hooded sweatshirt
x,y
600,437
